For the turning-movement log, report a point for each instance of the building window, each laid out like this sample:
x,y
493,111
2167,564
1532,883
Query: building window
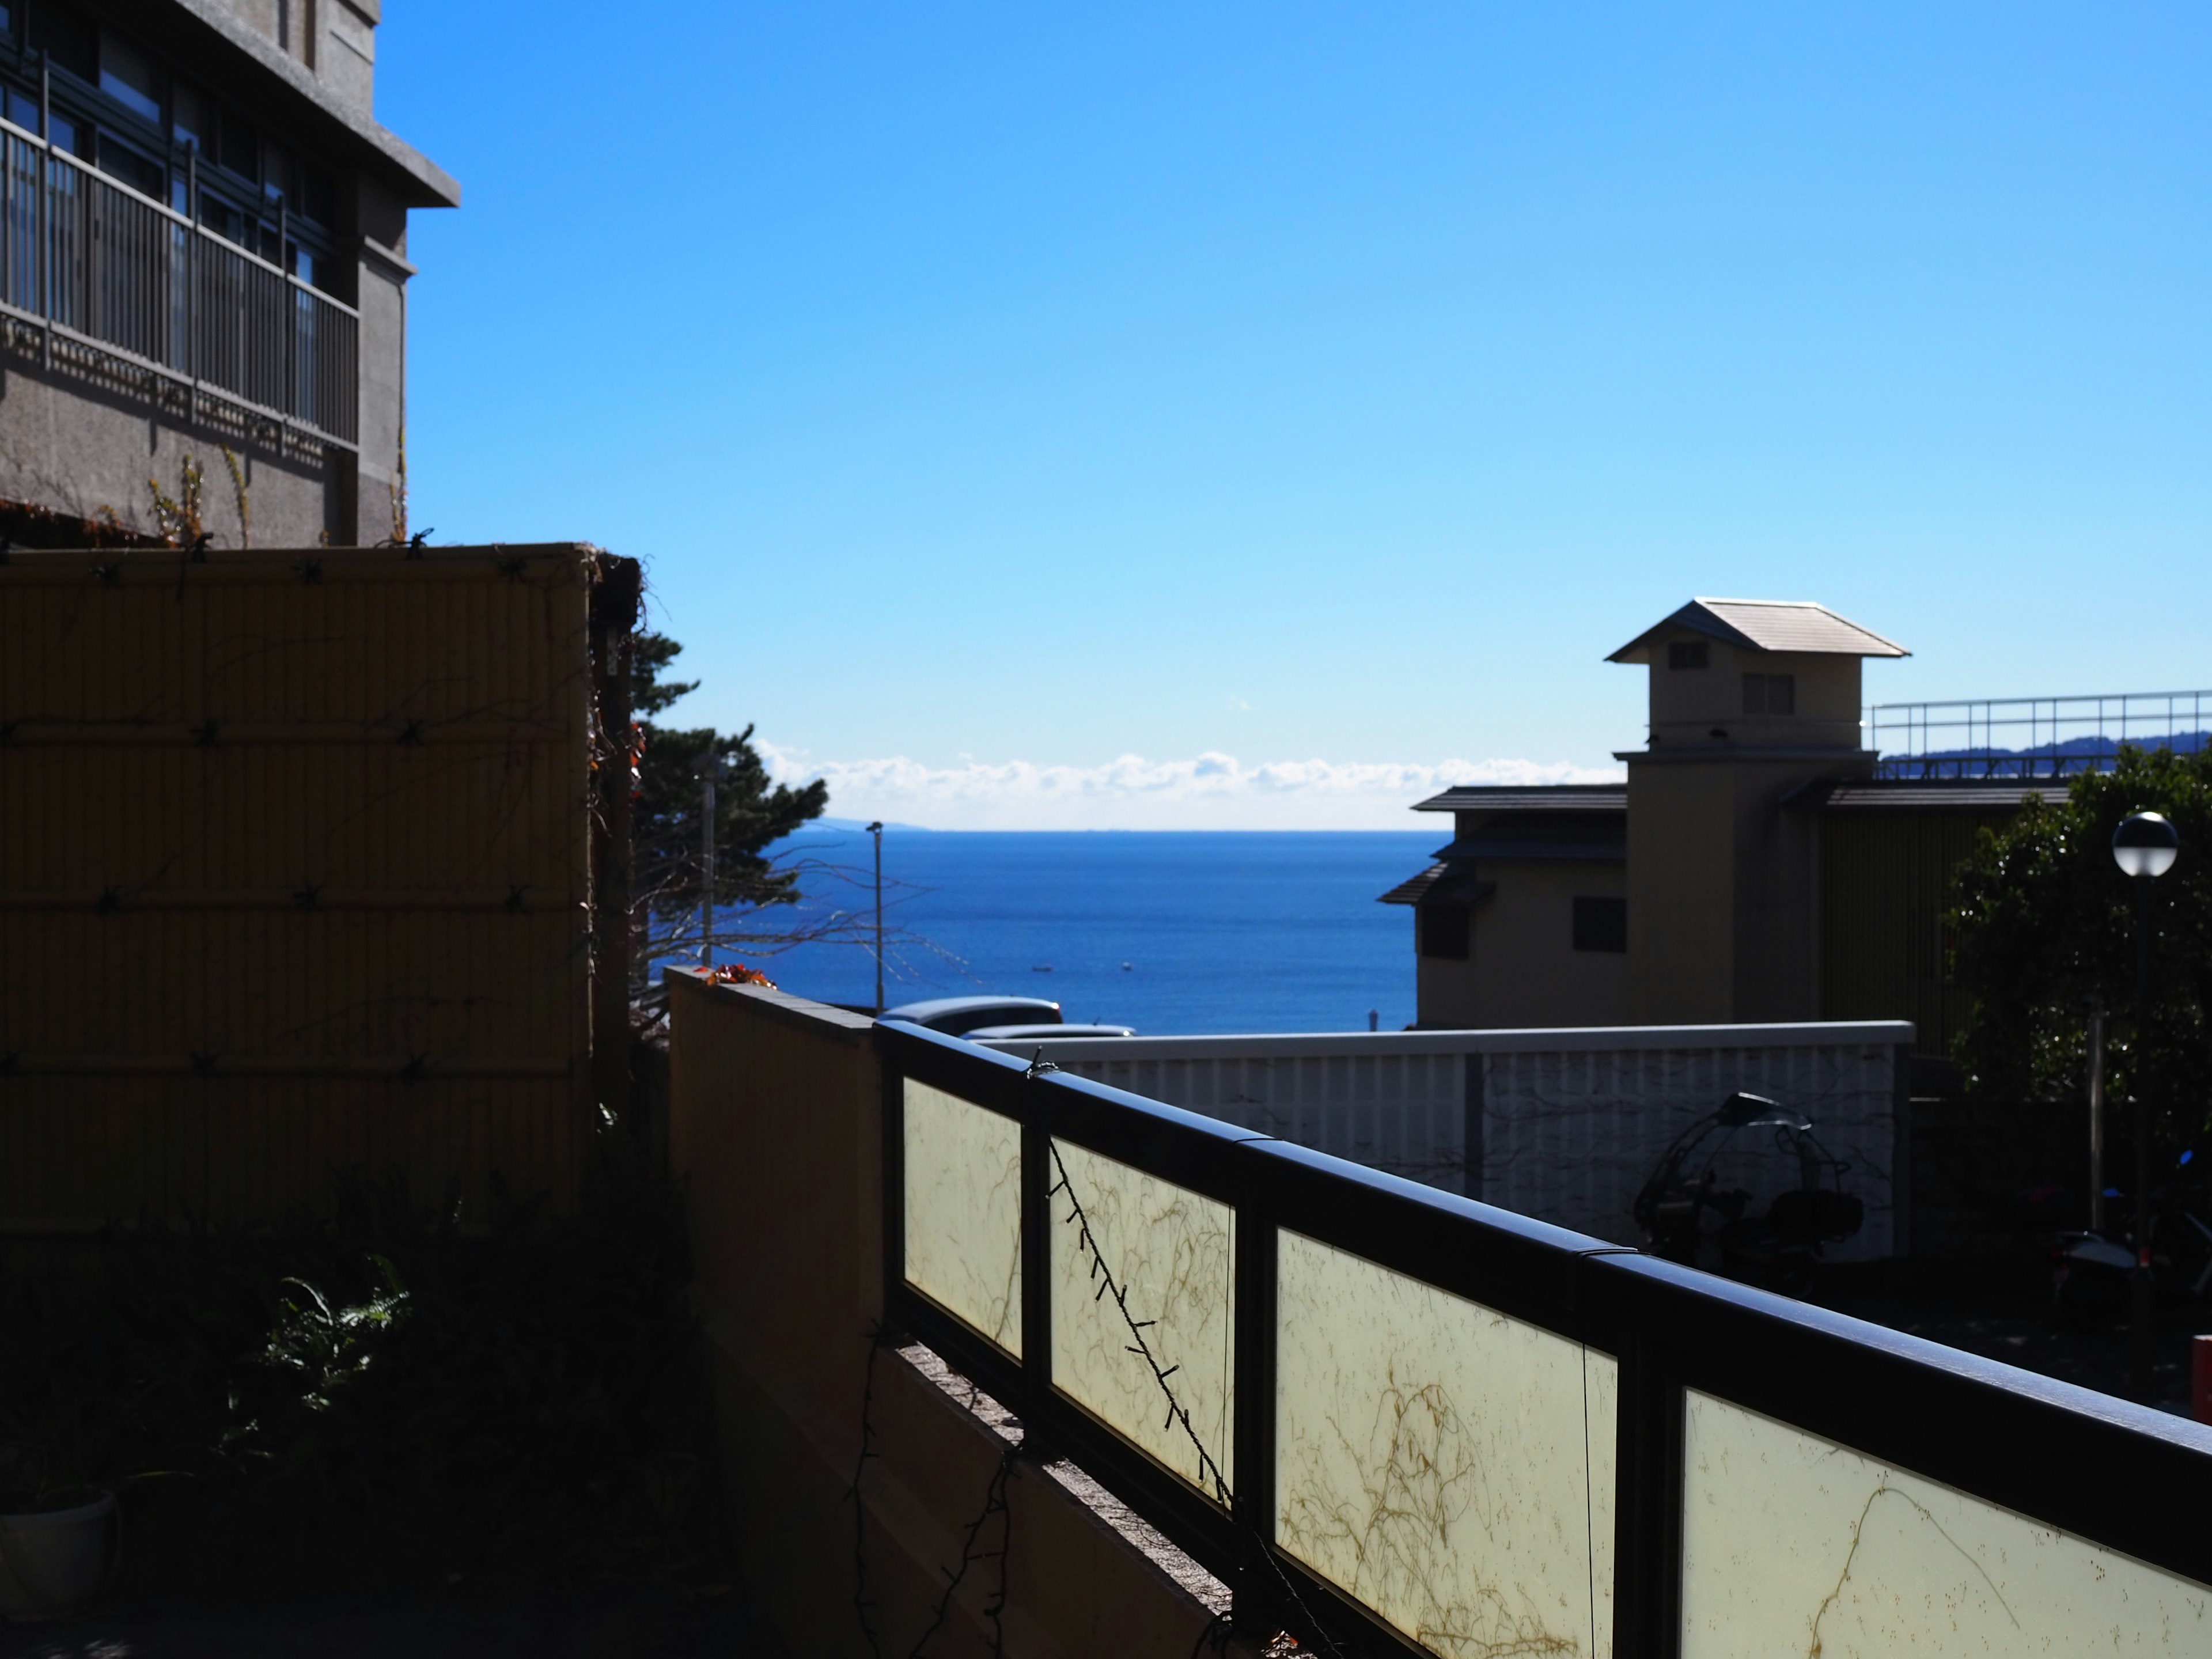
x,y
1770,694
120,161
69,41
191,120
1689,654
1445,930
130,77
1602,924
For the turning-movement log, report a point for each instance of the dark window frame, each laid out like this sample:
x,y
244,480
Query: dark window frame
x,y
1689,654
91,117
1601,924
1770,694
1445,933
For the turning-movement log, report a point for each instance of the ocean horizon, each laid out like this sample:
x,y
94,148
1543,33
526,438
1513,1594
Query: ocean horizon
x,y
1175,931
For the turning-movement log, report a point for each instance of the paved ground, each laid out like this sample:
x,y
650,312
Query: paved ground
x,y
614,1622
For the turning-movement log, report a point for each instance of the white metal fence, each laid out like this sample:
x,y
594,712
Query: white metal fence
x,y
1562,1125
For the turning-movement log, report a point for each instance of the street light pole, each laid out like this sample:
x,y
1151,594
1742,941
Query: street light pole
x,y
2097,1121
706,865
877,831
2142,1304
2145,846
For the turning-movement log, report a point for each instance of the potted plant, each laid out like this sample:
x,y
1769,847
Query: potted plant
x,y
57,1539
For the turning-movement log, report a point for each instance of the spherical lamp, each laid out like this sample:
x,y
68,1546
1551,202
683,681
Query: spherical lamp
x,y
2146,844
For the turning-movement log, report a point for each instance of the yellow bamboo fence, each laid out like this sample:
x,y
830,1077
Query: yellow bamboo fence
x,y
299,859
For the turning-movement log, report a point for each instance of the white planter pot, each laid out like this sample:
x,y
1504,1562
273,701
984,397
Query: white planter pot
x,y
51,1564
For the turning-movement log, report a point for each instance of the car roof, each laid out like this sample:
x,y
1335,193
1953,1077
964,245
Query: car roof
x,y
1019,1033
937,1007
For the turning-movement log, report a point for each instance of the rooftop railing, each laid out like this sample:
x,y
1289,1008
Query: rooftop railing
x,y
1391,1417
94,265
2031,737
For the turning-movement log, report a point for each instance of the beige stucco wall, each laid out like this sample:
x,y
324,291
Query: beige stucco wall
x,y
1724,921
1688,704
1723,917
775,1133
1521,966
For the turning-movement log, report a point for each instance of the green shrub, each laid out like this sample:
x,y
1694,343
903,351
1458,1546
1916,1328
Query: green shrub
x,y
376,1397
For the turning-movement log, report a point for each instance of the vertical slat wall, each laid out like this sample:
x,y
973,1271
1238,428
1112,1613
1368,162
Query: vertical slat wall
x,y
1880,960
293,877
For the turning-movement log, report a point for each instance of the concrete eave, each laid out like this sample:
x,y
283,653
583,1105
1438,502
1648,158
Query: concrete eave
x,y
1687,756
294,96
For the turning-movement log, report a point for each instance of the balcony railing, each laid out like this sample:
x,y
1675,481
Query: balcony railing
x,y
1391,1417
95,263
2031,737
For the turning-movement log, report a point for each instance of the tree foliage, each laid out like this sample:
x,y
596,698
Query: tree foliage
x,y
2045,932
749,812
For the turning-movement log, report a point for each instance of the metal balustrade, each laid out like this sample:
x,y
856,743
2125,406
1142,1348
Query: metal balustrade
x,y
1392,1418
91,262
2031,737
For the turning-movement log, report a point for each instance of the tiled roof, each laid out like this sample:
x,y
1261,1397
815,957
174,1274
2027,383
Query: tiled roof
x,y
1541,798
1917,795
1766,625
1601,849
1440,883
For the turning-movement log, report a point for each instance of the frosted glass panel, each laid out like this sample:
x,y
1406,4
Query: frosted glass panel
x,y
1794,1544
1600,1422
1171,1250
1449,1466
963,1211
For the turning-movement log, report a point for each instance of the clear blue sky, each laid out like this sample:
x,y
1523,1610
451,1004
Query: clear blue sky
x,y
995,389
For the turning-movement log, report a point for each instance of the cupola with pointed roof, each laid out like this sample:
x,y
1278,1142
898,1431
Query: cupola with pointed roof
x,y
1755,675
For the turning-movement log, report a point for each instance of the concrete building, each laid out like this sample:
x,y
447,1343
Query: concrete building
x,y
1754,867
203,249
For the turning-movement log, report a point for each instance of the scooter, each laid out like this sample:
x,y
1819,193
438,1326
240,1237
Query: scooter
x,y
1688,1217
2091,1272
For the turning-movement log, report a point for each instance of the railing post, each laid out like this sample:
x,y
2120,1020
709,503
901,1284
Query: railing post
x,y
1647,1549
192,363
290,302
46,214
1037,1186
893,1169
1256,1607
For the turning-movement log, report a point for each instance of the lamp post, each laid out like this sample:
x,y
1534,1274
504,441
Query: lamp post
x,y
877,831
709,770
2145,846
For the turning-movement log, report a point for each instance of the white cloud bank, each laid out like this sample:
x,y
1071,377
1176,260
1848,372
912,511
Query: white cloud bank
x,y
1212,792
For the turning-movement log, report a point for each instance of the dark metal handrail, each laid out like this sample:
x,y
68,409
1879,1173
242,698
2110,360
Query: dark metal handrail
x,y
2125,1476
89,261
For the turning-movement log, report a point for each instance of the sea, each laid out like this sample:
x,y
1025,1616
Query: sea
x,y
1174,933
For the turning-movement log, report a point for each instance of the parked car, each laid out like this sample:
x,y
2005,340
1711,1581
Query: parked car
x,y
1027,1033
958,1016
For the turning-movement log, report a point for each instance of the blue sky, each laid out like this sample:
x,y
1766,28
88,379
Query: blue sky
x,y
1196,415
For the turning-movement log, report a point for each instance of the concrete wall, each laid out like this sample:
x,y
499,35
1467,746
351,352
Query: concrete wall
x,y
82,436
776,1130
336,40
72,445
